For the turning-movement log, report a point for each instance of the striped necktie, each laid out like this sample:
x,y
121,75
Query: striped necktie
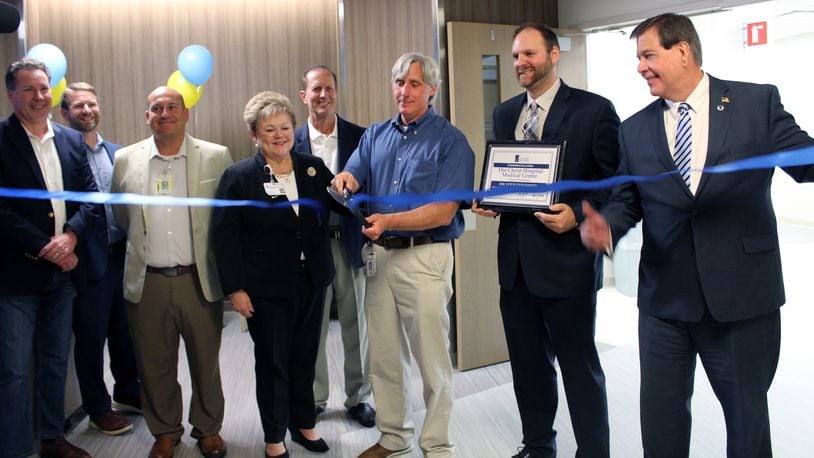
x,y
683,146
530,127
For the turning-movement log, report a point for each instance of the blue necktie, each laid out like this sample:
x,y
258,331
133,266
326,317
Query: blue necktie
x,y
683,145
530,127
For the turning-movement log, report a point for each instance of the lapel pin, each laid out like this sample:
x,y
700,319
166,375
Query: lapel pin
x,y
311,171
724,99
720,108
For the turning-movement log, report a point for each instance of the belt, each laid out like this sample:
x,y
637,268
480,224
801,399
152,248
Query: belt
x,y
176,271
399,243
335,232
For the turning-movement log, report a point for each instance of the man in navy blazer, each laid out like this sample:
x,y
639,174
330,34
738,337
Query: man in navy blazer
x,y
334,139
548,280
710,280
41,242
99,313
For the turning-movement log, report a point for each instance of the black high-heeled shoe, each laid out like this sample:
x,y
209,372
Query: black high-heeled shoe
x,y
318,446
283,455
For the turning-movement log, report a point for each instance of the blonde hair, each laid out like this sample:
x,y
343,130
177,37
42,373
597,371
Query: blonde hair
x,y
265,104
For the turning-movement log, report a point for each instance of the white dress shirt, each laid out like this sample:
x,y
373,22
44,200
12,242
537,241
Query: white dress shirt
x,y
45,150
699,114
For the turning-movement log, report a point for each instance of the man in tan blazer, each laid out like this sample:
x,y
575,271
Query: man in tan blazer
x,y
171,283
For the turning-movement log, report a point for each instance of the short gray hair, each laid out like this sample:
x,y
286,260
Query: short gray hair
x,y
429,68
265,104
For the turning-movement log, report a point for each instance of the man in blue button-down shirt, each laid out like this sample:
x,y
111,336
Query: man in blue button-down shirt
x,y
99,313
416,152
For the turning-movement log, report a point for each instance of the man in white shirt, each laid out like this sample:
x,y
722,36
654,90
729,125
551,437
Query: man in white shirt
x,y
41,241
334,139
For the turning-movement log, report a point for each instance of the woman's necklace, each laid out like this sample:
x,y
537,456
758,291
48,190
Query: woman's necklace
x,y
283,177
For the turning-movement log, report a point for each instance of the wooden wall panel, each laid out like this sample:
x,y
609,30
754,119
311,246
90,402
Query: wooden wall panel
x,y
126,49
511,12
378,32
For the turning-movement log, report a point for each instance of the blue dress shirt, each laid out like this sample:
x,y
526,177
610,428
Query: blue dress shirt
x,y
429,155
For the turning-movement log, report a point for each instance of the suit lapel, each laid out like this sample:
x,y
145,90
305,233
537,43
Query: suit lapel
x,y
303,140
344,147
19,138
141,167
718,124
556,113
193,166
62,146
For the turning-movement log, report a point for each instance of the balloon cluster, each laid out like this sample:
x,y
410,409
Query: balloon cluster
x,y
195,66
57,64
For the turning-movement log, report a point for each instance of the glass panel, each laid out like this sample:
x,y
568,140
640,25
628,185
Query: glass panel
x,y
490,73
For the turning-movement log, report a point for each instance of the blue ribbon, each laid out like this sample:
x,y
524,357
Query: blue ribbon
x,y
796,157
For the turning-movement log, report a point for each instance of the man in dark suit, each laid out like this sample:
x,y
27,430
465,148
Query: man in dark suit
x,y
333,139
99,312
710,282
548,281
41,242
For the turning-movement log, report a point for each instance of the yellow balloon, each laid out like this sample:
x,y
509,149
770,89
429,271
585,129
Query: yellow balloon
x,y
188,91
57,91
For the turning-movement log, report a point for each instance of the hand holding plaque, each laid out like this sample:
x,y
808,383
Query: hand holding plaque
x,y
516,165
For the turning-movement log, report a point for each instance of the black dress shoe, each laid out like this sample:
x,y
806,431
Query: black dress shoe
x,y
363,414
318,446
282,455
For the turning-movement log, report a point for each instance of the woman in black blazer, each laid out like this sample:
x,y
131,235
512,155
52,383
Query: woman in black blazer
x,y
274,265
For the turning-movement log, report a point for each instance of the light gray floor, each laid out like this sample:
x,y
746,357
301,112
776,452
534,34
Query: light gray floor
x,y
485,422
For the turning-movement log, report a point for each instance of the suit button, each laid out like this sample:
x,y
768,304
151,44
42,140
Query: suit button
x,y
693,211
299,235
50,214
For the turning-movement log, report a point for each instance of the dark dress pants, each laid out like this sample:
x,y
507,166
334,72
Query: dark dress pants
x,y
538,331
286,332
739,358
99,315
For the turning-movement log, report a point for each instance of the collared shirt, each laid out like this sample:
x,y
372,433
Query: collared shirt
x,y
699,114
429,155
325,146
169,229
45,150
102,168
543,107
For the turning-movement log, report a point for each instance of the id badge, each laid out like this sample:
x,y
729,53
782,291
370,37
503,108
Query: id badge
x,y
274,189
370,261
163,185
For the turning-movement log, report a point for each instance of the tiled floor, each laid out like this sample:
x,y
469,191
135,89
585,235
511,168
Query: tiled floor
x,y
485,421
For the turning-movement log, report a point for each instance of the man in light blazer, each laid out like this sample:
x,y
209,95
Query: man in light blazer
x,y
41,243
710,280
171,283
334,139
548,280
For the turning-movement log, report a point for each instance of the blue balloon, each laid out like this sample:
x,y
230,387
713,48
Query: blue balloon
x,y
195,63
53,58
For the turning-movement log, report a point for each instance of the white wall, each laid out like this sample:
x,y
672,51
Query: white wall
x,y
612,73
592,14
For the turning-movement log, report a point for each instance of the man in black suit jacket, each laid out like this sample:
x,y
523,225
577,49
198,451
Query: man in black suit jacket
x,y
548,281
40,244
99,313
710,281
334,139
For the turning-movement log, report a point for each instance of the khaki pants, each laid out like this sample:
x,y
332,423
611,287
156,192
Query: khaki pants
x,y
348,287
405,306
171,308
